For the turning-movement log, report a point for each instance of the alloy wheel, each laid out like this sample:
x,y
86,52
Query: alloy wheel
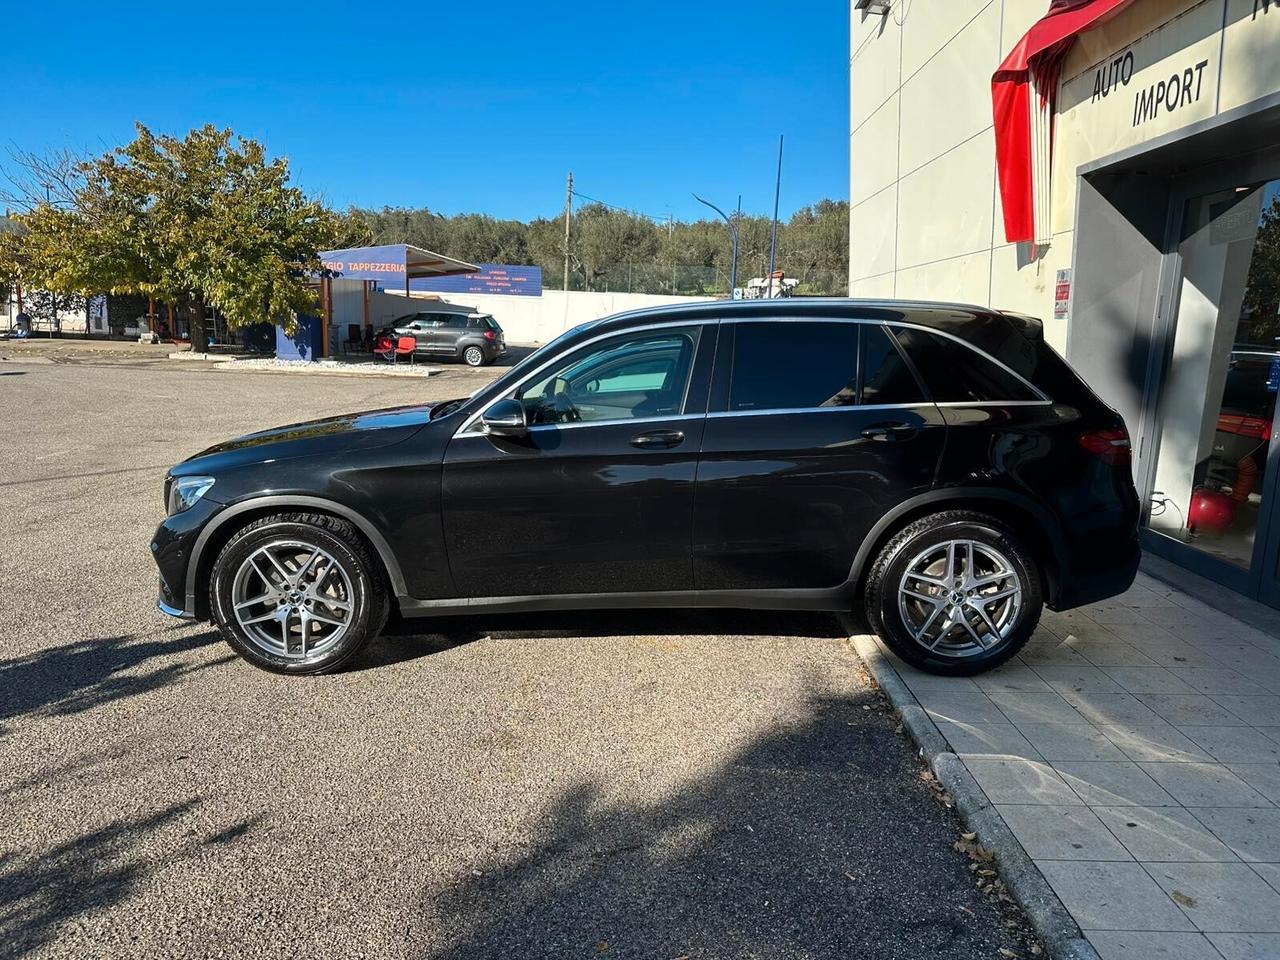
x,y
960,598
293,599
474,356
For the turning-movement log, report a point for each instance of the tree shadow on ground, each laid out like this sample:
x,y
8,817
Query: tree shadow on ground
x,y
409,639
817,840
88,673
40,895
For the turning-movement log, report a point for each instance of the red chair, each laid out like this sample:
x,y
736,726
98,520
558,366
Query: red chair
x,y
405,347
384,347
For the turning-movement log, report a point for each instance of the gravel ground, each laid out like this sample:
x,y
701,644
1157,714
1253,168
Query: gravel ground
x,y
653,785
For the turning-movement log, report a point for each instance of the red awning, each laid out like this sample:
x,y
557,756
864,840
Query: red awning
x,y
1023,92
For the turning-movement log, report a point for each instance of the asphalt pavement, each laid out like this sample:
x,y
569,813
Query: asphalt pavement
x,y
625,785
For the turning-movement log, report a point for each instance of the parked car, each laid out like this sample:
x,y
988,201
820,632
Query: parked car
x,y
939,468
474,338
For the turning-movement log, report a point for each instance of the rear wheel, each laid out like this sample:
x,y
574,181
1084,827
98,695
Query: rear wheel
x,y
473,357
954,593
297,593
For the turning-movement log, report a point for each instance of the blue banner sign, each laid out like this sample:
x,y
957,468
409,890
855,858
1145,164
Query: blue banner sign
x,y
386,265
499,278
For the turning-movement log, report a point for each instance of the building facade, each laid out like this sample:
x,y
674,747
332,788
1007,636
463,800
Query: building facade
x,y
1112,167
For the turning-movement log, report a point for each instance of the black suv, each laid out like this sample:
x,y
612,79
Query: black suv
x,y
938,467
474,338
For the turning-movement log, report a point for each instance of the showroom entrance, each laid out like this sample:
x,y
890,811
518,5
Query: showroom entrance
x,y
1212,475
1176,322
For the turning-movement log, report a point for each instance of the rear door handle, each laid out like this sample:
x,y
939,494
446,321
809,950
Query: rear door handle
x,y
658,439
890,431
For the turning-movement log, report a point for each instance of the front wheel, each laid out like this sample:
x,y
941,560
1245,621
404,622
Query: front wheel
x,y
473,357
954,593
297,593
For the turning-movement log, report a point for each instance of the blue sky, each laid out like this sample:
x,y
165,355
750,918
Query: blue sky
x,y
471,107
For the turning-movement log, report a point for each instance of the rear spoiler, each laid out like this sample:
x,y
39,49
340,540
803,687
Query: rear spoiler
x,y
1029,327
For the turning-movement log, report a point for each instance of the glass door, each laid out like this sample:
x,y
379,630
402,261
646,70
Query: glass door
x,y
1213,492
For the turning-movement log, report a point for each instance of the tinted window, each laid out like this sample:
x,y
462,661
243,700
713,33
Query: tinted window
x,y
644,374
455,321
790,366
886,378
954,372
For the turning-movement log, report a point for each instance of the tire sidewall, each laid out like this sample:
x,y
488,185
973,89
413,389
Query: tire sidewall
x,y
363,614
887,618
466,356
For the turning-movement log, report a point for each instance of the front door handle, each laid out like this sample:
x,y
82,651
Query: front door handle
x,y
890,431
658,439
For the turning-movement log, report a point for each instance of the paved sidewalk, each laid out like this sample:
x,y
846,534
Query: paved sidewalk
x,y
1133,748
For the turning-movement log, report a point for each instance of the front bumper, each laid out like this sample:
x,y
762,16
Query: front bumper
x,y
173,547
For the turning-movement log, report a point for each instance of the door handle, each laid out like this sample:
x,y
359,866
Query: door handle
x,y
890,431
658,439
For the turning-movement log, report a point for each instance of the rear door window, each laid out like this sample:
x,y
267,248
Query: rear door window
x,y
797,365
794,366
956,373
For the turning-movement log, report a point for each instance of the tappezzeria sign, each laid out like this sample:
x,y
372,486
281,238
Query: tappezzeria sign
x,y
1156,68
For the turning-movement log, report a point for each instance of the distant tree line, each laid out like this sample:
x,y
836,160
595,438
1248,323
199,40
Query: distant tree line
x,y
612,249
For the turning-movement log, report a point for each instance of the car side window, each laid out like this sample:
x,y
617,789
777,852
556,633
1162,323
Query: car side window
x,y
957,373
632,376
455,321
794,365
886,378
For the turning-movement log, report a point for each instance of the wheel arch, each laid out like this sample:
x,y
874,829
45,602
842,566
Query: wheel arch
x,y
224,525
1034,524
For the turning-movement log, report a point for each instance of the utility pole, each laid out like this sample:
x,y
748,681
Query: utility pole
x,y
568,215
671,245
773,240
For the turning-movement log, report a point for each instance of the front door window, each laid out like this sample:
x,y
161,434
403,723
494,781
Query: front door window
x,y
634,376
1217,408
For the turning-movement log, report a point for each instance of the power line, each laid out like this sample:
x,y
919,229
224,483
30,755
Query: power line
x,y
620,209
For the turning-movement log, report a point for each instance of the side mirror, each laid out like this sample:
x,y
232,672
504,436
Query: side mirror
x,y
506,418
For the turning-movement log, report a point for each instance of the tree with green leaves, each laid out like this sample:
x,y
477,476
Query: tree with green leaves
x,y
205,219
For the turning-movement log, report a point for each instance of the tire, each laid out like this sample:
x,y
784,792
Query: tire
x,y
473,357
336,599
916,559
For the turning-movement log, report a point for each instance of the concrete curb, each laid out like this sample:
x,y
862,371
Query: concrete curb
x,y
1060,933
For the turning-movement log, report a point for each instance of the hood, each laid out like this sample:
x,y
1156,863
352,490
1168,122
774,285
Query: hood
x,y
352,431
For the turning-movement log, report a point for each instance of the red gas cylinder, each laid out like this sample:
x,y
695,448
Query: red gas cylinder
x,y
1211,510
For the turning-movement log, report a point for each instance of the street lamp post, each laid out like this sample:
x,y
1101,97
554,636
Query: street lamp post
x,y
733,232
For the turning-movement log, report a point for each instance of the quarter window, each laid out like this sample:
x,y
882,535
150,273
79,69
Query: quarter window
x,y
639,375
956,373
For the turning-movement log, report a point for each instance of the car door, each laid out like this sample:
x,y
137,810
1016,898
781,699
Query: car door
x,y
415,326
447,333
597,497
816,429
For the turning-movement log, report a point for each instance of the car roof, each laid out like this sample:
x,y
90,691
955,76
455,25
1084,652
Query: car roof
x,y
981,326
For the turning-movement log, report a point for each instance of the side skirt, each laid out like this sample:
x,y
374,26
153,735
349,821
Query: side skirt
x,y
835,599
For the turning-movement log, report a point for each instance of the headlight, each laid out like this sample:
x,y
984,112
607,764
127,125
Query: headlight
x,y
185,491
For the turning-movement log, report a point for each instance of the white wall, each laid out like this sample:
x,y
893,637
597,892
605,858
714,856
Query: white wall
x,y
924,213
537,320
925,219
